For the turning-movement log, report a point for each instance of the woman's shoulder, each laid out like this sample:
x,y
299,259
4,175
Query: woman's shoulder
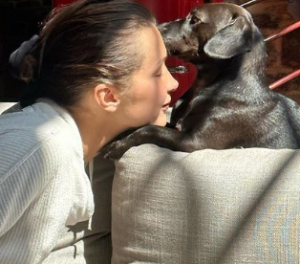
x,y
39,122
36,134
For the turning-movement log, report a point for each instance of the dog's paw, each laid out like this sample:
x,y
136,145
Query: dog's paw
x,y
124,142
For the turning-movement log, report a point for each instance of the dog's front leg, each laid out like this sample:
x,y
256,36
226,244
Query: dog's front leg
x,y
161,136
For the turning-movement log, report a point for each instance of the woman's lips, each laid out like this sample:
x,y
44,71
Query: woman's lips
x,y
165,106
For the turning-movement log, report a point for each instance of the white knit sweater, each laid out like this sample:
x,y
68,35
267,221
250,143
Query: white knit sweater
x,y
44,189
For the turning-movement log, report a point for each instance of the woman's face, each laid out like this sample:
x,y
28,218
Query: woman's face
x,y
148,96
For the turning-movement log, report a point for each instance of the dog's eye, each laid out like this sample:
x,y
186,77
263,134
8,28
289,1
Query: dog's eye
x,y
194,20
234,18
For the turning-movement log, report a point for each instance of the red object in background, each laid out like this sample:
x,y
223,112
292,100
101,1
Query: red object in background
x,y
57,3
167,10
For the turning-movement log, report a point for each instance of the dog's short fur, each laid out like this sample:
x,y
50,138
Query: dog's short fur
x,y
229,105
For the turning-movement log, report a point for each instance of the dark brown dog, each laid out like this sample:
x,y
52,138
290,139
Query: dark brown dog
x,y
229,105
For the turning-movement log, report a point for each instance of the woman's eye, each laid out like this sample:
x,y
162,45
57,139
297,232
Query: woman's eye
x,y
158,73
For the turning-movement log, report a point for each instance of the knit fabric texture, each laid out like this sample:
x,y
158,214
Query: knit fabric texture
x,y
44,189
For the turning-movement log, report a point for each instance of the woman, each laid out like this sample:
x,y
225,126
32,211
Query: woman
x,y
100,70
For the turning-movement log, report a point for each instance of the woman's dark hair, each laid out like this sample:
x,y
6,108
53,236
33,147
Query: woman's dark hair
x,y
86,43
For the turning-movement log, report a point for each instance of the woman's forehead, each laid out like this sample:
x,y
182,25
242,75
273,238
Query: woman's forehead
x,y
151,45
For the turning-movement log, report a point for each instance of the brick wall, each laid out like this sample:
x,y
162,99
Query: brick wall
x,y
271,16
283,53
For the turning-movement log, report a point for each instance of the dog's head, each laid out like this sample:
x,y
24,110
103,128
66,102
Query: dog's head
x,y
220,31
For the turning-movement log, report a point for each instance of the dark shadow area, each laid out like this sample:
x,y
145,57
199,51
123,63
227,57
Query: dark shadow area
x,y
19,21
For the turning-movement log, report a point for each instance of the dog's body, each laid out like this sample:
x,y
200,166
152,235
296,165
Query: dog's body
x,y
229,105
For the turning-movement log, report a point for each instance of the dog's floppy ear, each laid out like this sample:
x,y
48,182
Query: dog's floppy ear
x,y
234,39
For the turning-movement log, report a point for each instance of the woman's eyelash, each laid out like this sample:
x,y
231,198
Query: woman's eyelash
x,y
157,73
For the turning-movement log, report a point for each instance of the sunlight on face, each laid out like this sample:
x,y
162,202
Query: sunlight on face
x,y
149,97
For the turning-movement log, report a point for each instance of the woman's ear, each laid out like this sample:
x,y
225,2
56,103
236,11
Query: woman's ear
x,y
107,97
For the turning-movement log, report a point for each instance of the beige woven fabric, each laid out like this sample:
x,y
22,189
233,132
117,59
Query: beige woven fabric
x,y
226,206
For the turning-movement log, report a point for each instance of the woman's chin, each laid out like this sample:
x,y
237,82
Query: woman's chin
x,y
161,119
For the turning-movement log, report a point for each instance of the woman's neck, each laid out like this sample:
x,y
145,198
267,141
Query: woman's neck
x,y
95,130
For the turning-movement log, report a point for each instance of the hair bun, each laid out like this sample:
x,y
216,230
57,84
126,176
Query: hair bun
x,y
21,62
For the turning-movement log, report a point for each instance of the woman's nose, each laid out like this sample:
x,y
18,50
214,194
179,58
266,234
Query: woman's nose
x,y
173,84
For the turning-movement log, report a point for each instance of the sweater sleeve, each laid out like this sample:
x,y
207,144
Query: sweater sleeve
x,y
36,198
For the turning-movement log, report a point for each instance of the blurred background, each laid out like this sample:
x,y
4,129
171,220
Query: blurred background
x,y
19,20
